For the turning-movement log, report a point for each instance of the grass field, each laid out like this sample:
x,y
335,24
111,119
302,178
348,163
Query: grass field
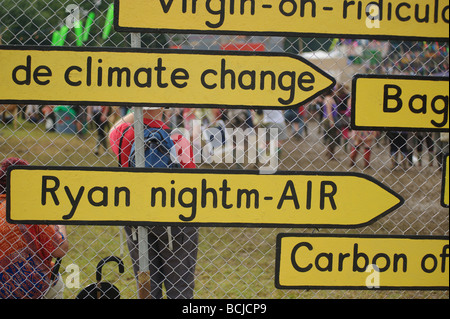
x,y
232,262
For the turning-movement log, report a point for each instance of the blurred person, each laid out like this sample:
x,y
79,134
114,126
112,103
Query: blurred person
x,y
422,140
398,146
26,252
240,118
32,113
330,118
99,115
189,118
274,119
237,120
343,101
124,110
174,117
442,147
361,142
212,127
48,117
172,251
294,117
80,119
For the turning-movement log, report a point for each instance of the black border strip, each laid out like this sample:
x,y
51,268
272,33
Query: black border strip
x,y
194,171
444,180
119,28
332,236
167,52
390,77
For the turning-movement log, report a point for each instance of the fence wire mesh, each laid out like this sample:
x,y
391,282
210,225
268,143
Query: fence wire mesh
x,y
232,262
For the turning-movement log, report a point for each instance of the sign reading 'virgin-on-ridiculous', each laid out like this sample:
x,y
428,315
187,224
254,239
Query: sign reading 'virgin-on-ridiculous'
x,y
388,19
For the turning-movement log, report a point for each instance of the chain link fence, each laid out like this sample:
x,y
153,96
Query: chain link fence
x,y
232,262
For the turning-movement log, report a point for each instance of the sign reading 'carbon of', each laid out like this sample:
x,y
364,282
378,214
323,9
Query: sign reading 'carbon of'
x,y
317,261
198,197
397,102
158,77
415,19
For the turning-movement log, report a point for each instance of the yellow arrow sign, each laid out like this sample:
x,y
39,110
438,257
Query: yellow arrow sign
x,y
392,102
157,77
319,261
198,197
412,19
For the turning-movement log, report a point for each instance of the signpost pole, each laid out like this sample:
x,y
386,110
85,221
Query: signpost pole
x,y
144,273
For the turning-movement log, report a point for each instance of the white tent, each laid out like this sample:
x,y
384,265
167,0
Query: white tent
x,y
334,63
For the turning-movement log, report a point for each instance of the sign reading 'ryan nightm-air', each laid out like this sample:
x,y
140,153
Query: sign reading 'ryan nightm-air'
x,y
199,197
396,102
158,77
418,19
318,261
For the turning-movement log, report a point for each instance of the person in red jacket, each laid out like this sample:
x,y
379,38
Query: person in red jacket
x,y
172,250
26,252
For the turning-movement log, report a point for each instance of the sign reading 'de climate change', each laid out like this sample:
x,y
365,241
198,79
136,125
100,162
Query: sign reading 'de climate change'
x,y
388,19
318,261
198,197
158,77
396,102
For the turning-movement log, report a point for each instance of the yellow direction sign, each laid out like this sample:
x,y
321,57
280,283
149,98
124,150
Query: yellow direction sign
x,y
157,77
318,261
393,19
445,183
198,197
408,103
